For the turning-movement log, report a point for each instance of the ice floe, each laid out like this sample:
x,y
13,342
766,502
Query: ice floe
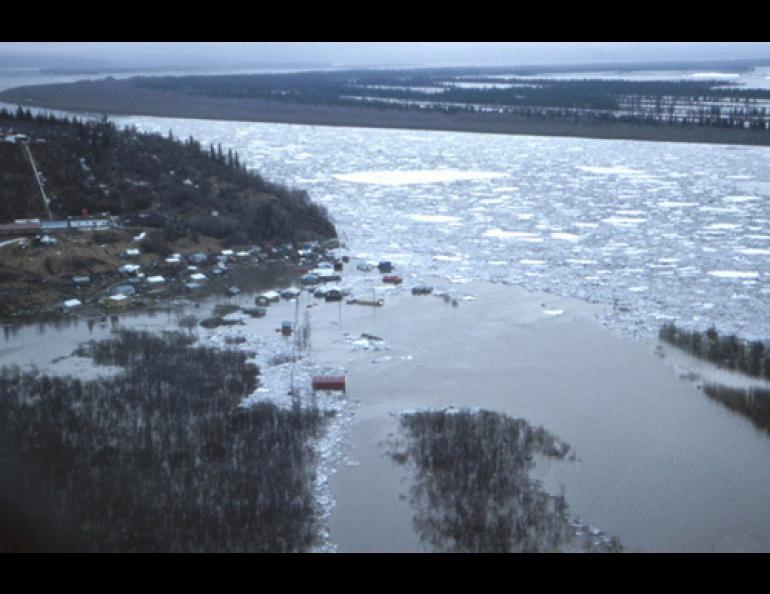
x,y
733,274
422,176
650,215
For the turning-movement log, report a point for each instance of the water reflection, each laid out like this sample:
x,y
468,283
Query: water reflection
x,y
752,403
472,491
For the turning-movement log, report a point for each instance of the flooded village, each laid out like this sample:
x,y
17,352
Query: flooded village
x,y
398,340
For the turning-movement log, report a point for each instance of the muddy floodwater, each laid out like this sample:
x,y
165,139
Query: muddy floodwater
x,y
657,464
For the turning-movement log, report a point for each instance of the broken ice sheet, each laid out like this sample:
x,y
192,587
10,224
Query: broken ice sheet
x,y
679,193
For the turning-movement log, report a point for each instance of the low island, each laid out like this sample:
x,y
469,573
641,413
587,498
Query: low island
x,y
486,100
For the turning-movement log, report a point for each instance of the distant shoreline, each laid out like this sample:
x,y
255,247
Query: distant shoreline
x,y
119,97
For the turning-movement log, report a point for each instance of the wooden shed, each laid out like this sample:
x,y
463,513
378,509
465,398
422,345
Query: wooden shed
x,y
329,382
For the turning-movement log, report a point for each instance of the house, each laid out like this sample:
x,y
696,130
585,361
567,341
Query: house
x,y
329,382
271,296
113,302
422,290
326,275
333,294
290,293
127,290
70,304
129,269
47,240
369,302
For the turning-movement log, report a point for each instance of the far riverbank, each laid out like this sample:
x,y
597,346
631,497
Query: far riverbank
x,y
120,97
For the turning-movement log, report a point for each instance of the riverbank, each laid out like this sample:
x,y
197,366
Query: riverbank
x,y
119,97
91,273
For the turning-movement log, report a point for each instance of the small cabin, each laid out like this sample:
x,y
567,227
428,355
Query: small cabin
x,y
271,296
310,279
286,328
127,290
115,302
329,382
290,293
333,295
129,269
70,304
385,266
422,290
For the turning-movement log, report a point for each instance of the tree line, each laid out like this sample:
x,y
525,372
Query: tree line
x,y
154,180
731,352
649,100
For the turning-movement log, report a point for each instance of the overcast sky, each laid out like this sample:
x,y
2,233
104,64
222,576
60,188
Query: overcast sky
x,y
374,53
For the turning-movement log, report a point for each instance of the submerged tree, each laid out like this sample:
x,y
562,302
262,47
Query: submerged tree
x,y
472,490
158,458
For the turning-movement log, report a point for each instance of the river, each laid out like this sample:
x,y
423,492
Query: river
x,y
565,255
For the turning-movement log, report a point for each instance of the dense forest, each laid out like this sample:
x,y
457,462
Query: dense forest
x,y
156,458
150,180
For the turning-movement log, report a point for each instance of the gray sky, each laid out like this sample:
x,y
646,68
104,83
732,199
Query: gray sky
x,y
373,53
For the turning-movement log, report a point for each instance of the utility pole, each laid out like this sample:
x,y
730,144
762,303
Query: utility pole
x,y
295,344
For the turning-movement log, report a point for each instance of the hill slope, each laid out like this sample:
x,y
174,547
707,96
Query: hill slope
x,y
173,185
